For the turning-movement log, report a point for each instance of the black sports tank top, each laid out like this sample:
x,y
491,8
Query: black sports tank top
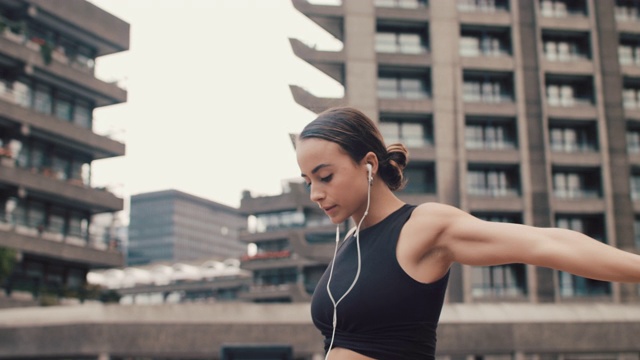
x,y
387,314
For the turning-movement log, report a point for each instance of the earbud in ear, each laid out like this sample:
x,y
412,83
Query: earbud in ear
x,y
370,169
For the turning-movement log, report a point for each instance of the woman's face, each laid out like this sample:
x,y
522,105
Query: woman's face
x,y
336,182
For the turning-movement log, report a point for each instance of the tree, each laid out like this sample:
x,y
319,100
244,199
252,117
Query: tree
x,y
8,260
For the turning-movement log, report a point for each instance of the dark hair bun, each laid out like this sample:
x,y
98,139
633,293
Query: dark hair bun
x,y
392,167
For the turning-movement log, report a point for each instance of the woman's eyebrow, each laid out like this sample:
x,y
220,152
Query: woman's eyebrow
x,y
315,169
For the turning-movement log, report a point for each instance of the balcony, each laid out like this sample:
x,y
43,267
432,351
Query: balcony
x,y
312,102
94,200
60,74
328,17
64,248
60,131
329,62
416,12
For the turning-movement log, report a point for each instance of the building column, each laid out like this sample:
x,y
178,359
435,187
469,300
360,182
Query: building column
x,y
361,68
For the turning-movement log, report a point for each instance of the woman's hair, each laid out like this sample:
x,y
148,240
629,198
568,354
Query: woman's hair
x,y
358,135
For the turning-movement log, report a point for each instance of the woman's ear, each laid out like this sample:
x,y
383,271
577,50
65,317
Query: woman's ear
x,y
371,158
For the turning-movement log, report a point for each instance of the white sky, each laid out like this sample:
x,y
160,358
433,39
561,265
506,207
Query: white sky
x,y
209,108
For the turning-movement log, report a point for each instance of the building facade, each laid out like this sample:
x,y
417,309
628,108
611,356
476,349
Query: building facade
x,y
48,92
171,225
515,111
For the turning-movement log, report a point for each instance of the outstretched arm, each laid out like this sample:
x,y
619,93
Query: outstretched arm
x,y
469,240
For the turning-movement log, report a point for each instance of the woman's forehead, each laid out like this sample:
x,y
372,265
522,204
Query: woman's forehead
x,y
314,150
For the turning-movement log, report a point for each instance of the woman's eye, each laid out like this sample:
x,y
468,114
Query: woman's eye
x,y
326,178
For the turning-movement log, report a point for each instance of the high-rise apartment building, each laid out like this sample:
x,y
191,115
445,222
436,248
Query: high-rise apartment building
x,y
519,111
171,225
48,92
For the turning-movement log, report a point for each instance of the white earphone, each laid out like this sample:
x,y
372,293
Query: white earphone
x,y
370,169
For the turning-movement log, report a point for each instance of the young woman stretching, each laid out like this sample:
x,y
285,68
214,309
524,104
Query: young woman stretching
x,y
381,296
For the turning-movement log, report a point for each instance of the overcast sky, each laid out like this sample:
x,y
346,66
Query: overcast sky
x,y
209,108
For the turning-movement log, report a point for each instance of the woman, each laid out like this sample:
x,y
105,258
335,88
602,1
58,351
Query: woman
x,y
381,296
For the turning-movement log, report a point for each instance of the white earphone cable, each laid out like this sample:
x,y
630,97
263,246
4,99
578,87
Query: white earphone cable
x,y
333,301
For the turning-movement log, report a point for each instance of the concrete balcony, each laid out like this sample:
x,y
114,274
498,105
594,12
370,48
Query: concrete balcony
x,y
328,17
497,18
573,23
419,60
632,27
511,203
487,108
578,112
506,156
68,249
405,15
574,67
295,292
94,200
630,70
329,62
489,63
408,106
62,132
584,205
61,74
576,158
314,103
87,22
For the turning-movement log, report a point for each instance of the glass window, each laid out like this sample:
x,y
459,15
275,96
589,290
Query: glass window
x,y
22,93
82,114
420,180
42,99
36,214
56,221
63,108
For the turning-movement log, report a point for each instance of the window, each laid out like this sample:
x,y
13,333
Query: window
x,y
82,114
490,134
42,100
627,10
633,140
573,137
572,184
562,8
483,5
420,179
636,231
410,132
576,286
499,281
492,181
635,185
403,86
63,108
629,50
566,46
569,91
408,4
481,41
488,88
406,40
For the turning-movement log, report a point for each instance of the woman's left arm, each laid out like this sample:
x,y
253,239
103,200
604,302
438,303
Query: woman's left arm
x,y
473,241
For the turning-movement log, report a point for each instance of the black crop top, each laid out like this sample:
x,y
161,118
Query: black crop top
x,y
387,314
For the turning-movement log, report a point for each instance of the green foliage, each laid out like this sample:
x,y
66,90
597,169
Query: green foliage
x,y
8,260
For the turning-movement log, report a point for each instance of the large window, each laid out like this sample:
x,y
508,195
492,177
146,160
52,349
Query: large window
x,y
403,86
406,40
573,136
408,4
566,46
562,8
633,139
576,286
627,10
275,221
484,41
490,134
488,87
629,50
483,5
494,181
420,178
576,183
569,91
414,132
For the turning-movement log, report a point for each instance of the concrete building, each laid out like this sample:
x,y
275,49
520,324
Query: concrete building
x,y
48,92
293,242
171,225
